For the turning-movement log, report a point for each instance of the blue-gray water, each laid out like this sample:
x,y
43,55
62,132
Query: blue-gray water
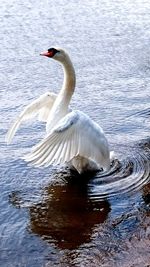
x,y
50,217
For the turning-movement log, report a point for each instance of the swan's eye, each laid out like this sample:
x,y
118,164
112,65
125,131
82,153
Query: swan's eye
x,y
52,52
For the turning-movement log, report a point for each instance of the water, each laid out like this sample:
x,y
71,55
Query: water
x,y
51,217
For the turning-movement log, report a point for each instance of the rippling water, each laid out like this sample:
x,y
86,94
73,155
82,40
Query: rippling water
x,y
52,217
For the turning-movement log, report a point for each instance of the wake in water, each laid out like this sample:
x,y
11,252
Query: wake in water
x,y
128,174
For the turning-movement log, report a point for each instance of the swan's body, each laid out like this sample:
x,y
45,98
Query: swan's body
x,y
72,137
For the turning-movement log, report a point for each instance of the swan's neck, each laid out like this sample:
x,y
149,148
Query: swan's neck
x,y
69,80
68,87
60,107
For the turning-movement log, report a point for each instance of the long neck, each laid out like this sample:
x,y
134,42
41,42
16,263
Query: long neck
x,y
65,94
60,107
69,79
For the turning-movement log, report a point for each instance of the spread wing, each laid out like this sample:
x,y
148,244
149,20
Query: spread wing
x,y
40,107
76,134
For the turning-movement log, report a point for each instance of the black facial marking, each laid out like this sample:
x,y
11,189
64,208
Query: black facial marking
x,y
53,51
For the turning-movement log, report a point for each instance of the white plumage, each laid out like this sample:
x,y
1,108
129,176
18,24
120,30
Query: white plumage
x,y
40,107
72,137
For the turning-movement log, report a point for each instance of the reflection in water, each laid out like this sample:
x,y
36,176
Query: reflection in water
x,y
146,194
69,217
66,216
73,206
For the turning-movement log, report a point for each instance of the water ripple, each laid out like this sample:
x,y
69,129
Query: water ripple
x,y
126,175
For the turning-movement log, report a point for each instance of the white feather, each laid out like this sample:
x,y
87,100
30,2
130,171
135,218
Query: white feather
x,y
40,107
76,134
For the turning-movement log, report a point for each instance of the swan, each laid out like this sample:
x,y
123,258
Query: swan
x,y
72,137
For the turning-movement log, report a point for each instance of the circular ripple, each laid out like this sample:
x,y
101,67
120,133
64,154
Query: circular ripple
x,y
126,175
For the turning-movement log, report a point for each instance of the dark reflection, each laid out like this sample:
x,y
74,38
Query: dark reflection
x,y
145,144
67,216
146,194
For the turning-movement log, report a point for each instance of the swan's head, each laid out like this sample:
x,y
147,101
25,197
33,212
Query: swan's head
x,y
55,53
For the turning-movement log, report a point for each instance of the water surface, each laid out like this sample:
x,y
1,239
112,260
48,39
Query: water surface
x,y
52,217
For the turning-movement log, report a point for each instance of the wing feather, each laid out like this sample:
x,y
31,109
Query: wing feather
x,y
75,134
40,107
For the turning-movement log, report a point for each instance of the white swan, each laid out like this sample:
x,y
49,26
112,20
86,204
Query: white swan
x,y
72,137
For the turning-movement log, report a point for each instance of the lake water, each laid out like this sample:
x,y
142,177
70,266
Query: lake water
x,y
51,217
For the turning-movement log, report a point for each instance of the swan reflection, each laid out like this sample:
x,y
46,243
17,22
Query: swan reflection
x,y
66,216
